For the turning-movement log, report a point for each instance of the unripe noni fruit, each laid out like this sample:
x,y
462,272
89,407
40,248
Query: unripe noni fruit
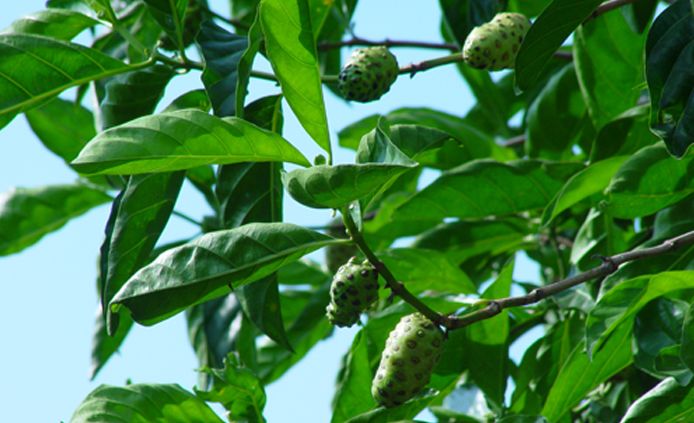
x,y
368,74
337,255
412,350
353,290
495,44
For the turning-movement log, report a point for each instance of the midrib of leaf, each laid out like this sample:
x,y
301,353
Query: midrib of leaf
x,y
74,82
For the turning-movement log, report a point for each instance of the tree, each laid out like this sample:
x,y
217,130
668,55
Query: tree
x,y
579,157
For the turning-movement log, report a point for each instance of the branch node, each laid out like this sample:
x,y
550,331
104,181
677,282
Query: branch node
x,y
612,266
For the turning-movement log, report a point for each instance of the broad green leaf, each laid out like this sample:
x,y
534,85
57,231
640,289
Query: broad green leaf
x,y
579,375
238,389
687,352
546,35
626,134
353,392
669,64
132,95
195,99
582,185
557,119
640,14
379,162
222,51
460,16
222,259
650,180
666,402
27,214
657,337
291,49
36,68
103,344
143,403
486,349
55,23
170,14
598,234
423,270
484,188
462,240
618,305
336,22
609,65
180,140
63,127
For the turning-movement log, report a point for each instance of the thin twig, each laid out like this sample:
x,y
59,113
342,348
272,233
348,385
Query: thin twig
x,y
358,41
608,266
606,7
186,218
396,287
413,68
514,141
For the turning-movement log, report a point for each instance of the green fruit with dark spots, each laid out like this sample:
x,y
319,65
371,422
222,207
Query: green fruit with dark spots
x,y
412,350
368,74
494,45
353,290
337,255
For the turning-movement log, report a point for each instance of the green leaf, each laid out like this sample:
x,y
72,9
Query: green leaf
x,y
557,118
640,14
579,375
54,23
401,413
484,188
27,214
169,14
222,51
132,95
687,351
37,68
666,402
195,99
238,390
460,16
245,64
546,35
103,344
63,127
379,162
609,65
626,134
180,140
140,403
650,180
462,240
291,49
669,64
223,259
582,185
353,392
621,303
424,270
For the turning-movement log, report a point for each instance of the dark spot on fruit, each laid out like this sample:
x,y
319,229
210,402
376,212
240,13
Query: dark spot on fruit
x,y
418,376
365,273
400,376
477,49
497,44
504,57
396,348
401,393
356,303
420,333
515,48
415,359
350,276
520,39
412,343
382,393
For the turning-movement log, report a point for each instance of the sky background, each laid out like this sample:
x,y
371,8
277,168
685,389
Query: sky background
x,y
48,302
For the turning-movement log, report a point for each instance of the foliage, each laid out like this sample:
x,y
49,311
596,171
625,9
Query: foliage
x,y
583,151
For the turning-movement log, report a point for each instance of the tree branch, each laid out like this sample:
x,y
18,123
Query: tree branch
x,y
358,41
396,287
608,266
606,7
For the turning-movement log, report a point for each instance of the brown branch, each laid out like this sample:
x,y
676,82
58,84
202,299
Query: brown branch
x,y
358,41
395,286
514,141
608,266
606,7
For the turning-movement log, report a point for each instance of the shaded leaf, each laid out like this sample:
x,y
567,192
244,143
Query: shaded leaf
x,y
626,134
546,35
484,188
222,51
460,16
223,259
291,49
666,402
687,351
353,392
28,214
650,180
143,403
169,14
622,302
180,140
245,64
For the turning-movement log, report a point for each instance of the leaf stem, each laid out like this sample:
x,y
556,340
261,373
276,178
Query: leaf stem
x,y
396,287
609,265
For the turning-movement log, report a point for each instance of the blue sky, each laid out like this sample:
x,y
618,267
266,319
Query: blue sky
x,y
48,304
